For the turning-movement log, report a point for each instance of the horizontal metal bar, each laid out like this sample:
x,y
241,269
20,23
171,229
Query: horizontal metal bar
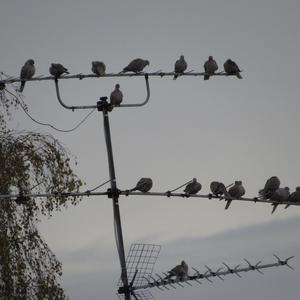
x,y
45,195
209,196
164,194
108,75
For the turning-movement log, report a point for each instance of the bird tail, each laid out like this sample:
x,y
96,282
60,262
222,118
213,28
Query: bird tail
x,y
238,75
22,86
206,77
228,204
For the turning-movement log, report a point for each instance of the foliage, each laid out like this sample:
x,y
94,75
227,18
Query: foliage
x,y
30,163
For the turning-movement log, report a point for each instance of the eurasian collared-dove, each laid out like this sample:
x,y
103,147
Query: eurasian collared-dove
x,y
136,66
27,73
280,195
193,187
218,188
98,67
180,66
231,68
180,271
57,70
144,185
271,186
116,96
295,196
210,67
236,191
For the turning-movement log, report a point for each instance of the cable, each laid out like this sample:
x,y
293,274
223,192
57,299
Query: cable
x,y
98,186
49,125
180,186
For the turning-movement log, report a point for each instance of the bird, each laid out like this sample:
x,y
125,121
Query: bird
x,y
137,65
98,67
270,187
180,66
180,271
218,188
280,195
295,196
144,185
236,191
231,68
116,96
57,70
210,67
193,187
26,73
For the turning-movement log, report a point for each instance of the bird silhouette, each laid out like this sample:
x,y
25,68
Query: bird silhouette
x,y
193,187
116,96
218,188
210,67
280,195
236,192
231,68
180,66
180,271
98,68
57,70
136,66
144,185
271,185
27,72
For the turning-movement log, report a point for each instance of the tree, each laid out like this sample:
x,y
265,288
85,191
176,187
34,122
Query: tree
x,y
30,162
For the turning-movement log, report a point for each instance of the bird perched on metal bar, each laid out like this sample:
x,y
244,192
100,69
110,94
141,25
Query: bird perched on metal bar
x,y
144,185
180,271
295,196
218,188
116,96
270,187
236,191
210,67
98,68
180,66
193,187
231,68
57,70
136,66
26,73
280,195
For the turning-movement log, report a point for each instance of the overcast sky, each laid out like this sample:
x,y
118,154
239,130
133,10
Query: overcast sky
x,y
224,129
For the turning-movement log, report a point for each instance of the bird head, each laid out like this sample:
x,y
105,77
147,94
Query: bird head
x,y
117,86
181,57
210,58
147,63
298,189
183,263
30,62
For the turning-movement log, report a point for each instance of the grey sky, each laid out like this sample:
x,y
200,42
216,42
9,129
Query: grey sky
x,y
223,129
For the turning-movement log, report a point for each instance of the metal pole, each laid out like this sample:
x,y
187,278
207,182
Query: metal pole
x,y
114,194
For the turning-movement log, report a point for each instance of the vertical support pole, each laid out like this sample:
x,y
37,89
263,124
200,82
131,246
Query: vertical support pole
x,y
104,106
